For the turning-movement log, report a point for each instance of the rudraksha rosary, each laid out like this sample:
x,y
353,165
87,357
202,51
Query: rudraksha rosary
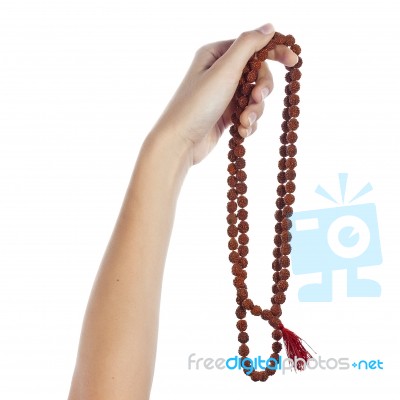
x,y
239,227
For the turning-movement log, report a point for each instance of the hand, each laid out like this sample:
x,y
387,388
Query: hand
x,y
202,106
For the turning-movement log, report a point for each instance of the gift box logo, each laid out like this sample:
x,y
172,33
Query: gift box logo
x,y
343,237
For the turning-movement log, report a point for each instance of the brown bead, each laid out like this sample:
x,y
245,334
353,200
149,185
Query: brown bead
x,y
243,227
231,219
233,130
277,334
275,322
256,310
284,127
284,274
241,325
278,228
236,268
232,231
241,175
294,111
276,252
280,298
286,224
233,244
296,49
232,144
286,236
238,301
238,282
288,199
276,347
242,214
270,372
255,376
289,40
240,312
247,88
276,309
278,215
290,187
255,64
240,163
282,164
231,181
276,266
234,257
243,350
294,86
275,356
285,249
235,119
282,151
287,211
239,151
290,174
231,207
248,304
231,156
291,163
262,54
282,138
281,177
293,99
232,195
263,376
243,250
275,289
291,137
295,74
299,63
276,277
281,191
241,188
280,202
243,238
251,76
278,38
266,315
243,262
232,169
242,201
291,150
243,337
292,124
284,261
282,285
242,293
285,114
243,101
277,240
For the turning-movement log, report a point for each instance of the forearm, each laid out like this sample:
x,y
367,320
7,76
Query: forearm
x,y
119,333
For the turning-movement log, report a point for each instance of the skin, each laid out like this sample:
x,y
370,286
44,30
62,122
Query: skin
x,y
117,348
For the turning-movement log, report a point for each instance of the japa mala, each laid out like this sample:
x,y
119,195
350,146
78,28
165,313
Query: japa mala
x,y
239,227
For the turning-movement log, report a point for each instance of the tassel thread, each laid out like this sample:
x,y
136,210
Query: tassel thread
x,y
295,349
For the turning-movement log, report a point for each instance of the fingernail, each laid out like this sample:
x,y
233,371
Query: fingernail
x,y
252,118
264,92
266,29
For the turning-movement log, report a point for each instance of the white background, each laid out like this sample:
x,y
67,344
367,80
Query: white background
x,y
81,84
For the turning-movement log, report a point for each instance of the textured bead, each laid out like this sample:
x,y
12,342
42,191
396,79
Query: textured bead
x,y
280,298
242,201
241,325
241,188
242,293
296,49
255,64
289,40
236,268
243,238
231,207
234,257
286,237
243,262
240,312
232,195
290,187
243,101
284,274
278,215
277,334
287,211
294,86
262,54
282,285
295,74
244,350
247,304
277,240
282,138
283,151
232,169
247,88
242,214
238,282
288,199
231,219
281,177
276,252
292,125
290,174
284,261
233,244
256,310
299,63
231,181
281,191
239,151
293,112
255,376
251,76
286,224
276,266
232,231
275,289
291,163
280,202
275,322
276,308
243,250
243,227
278,228
285,249
243,337
276,347
291,150
240,163
231,156
241,176
282,164
276,277
266,315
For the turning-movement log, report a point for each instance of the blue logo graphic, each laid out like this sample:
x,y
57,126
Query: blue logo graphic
x,y
343,237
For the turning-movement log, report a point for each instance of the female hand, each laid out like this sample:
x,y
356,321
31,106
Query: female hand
x,y
202,106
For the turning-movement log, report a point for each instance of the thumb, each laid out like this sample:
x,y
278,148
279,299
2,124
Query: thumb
x,y
242,49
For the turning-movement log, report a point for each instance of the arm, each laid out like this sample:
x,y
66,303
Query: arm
x,y
119,335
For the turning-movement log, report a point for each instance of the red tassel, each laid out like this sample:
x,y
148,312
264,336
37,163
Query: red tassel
x,y
295,349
